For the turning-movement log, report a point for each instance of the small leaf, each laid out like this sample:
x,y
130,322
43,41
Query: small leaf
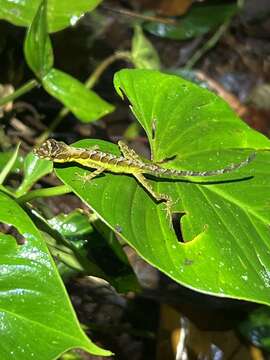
x,y
199,20
33,302
85,104
61,13
34,169
143,53
6,156
37,47
9,165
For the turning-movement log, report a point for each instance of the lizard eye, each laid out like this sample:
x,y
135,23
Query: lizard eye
x,y
48,150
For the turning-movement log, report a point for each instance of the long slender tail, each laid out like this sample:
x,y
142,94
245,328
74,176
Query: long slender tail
x,y
159,171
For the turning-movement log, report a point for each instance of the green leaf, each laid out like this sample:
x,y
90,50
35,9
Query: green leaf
x,y
143,53
33,302
61,13
37,47
34,169
225,219
199,20
84,103
96,244
6,156
256,328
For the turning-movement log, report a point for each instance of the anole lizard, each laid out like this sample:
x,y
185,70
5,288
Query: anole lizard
x,y
129,163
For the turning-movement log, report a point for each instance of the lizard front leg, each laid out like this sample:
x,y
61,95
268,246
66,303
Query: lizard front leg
x,y
127,152
91,176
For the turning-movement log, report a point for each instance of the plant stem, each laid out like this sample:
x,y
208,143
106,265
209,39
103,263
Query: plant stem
x,y
119,55
90,82
22,90
208,45
53,191
6,191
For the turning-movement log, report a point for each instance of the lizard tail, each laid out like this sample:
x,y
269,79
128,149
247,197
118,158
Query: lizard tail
x,y
159,171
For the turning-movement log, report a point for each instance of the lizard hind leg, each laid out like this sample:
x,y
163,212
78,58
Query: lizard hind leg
x,y
127,152
157,196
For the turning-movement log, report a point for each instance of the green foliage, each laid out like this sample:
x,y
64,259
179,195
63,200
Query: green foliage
x,y
61,13
143,53
199,20
92,248
256,328
34,169
9,165
33,301
37,46
84,103
225,218
5,156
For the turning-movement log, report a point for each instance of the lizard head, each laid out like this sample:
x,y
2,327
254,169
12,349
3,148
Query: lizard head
x,y
52,150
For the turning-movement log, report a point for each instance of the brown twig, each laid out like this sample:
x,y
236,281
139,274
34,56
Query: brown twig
x,y
144,17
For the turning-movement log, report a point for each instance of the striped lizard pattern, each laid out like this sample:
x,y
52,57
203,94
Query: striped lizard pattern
x,y
129,163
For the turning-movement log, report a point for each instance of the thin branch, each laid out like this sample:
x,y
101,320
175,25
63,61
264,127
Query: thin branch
x,y
21,91
48,192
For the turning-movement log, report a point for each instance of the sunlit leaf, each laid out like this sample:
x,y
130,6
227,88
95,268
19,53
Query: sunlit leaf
x,y
84,103
61,13
37,46
34,169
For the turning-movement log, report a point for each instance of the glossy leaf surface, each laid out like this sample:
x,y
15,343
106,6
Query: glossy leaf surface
x,y
83,103
199,20
61,13
33,302
6,156
224,219
100,254
34,169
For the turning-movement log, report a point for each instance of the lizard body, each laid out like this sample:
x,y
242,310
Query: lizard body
x,y
129,163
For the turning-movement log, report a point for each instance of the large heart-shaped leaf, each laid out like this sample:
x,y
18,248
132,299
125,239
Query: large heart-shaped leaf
x,y
225,219
61,13
37,320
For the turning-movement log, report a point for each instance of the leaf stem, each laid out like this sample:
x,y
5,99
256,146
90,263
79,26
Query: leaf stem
x,y
22,90
90,82
53,191
208,45
6,191
94,77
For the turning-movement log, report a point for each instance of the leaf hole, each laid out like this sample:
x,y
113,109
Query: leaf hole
x,y
176,223
154,127
166,160
11,230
